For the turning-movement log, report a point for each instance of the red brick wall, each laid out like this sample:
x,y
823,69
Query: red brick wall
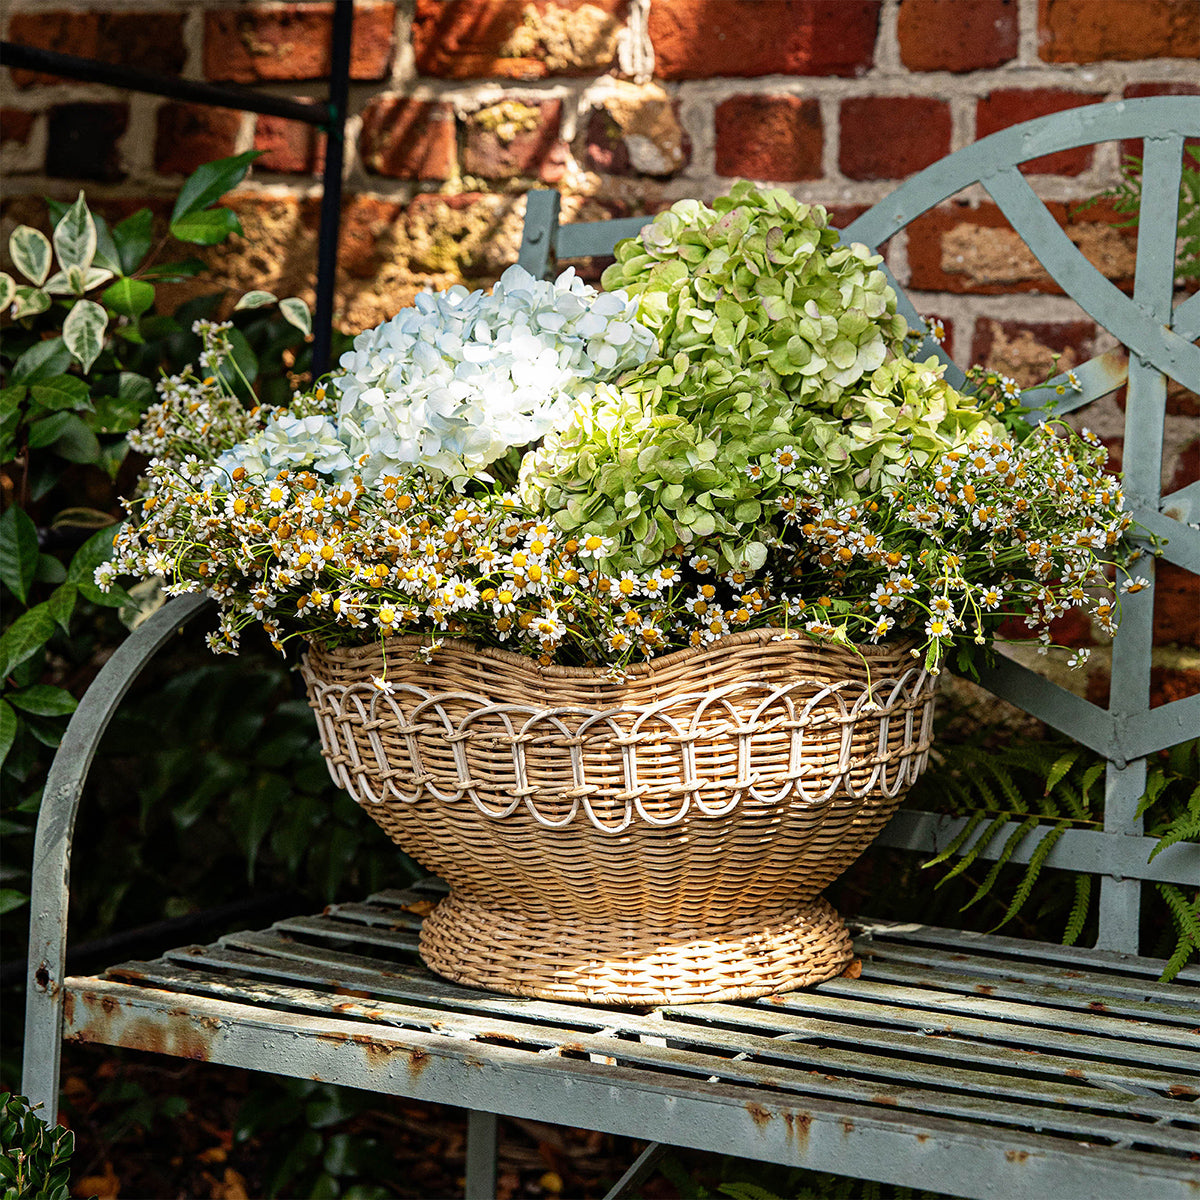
x,y
459,106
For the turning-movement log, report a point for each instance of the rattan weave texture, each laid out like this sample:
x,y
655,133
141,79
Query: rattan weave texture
x,y
602,832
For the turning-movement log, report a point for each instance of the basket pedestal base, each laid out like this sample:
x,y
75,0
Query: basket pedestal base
x,y
756,952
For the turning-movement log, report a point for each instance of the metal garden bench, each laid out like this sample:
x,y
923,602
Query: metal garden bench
x,y
982,1066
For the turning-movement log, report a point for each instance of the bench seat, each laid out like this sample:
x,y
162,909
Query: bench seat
x,y
954,1057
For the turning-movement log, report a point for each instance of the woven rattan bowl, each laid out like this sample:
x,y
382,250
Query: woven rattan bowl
x,y
660,836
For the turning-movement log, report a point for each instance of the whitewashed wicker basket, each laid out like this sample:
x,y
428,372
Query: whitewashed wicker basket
x,y
660,837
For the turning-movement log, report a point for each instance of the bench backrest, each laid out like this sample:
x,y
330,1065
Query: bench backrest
x,y
1160,344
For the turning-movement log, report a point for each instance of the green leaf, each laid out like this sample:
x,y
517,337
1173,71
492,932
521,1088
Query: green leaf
x,y
76,442
18,552
62,604
257,299
107,257
49,570
44,701
83,332
8,729
47,431
25,637
30,302
120,413
31,255
63,391
133,237
295,312
41,361
208,228
129,297
207,184
8,290
174,271
96,550
75,236
11,899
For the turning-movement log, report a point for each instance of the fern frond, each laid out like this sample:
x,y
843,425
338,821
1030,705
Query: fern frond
x,y
1036,861
1015,838
1079,910
1185,828
1156,782
1094,772
1059,769
959,838
1186,916
747,1191
971,855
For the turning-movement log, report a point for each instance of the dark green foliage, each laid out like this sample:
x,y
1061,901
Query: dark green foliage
x,y
1039,790
35,1162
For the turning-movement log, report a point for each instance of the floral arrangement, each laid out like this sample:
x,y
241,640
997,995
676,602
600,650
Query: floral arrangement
x,y
733,434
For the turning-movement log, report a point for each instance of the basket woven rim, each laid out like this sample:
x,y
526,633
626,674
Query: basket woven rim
x,y
762,636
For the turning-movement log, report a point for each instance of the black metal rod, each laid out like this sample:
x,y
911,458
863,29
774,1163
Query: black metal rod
x,y
331,194
69,66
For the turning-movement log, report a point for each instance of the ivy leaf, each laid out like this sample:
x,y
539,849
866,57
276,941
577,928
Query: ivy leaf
x,y
120,413
207,184
255,299
18,552
75,236
107,256
83,332
295,312
129,297
43,700
8,289
63,391
207,228
133,237
31,255
25,637
29,302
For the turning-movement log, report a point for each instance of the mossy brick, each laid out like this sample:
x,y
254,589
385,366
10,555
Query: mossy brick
x,y
957,35
409,139
972,249
516,39
81,141
189,135
1010,106
513,138
777,138
288,147
150,41
635,130
708,39
1083,31
891,137
1032,351
293,41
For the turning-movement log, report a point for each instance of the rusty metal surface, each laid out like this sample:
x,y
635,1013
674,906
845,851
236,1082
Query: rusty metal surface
x,y
955,1061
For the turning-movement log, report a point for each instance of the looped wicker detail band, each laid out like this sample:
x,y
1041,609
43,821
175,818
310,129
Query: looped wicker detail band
x,y
746,740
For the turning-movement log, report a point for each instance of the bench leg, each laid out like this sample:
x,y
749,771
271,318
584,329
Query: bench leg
x,y
481,1155
642,1169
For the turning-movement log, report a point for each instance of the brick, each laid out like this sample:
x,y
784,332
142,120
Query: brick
x,y
189,135
16,125
891,137
1028,350
956,35
970,249
365,219
1081,31
1010,106
152,41
289,147
409,139
1166,684
516,39
81,141
704,39
769,137
292,41
1176,606
636,129
512,138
